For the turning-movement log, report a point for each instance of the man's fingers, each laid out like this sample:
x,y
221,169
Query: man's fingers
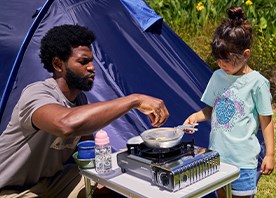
x,y
156,119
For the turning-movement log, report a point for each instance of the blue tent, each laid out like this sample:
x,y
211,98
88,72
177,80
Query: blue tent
x,y
135,52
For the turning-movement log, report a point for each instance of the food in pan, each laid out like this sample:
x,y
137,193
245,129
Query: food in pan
x,y
158,139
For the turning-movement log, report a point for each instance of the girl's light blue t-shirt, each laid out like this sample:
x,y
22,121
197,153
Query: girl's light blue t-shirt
x,y
237,102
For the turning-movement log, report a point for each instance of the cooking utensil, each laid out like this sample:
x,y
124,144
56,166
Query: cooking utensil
x,y
165,137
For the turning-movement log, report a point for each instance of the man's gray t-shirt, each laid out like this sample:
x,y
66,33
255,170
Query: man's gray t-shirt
x,y
26,153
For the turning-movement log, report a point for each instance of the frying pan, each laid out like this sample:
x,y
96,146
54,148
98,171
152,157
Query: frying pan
x,y
165,137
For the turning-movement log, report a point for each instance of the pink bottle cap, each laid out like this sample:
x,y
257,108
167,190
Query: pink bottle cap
x,y
101,138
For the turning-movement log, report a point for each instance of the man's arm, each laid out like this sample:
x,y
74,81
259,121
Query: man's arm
x,y
78,121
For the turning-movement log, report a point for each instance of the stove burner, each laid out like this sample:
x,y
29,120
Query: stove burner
x,y
162,154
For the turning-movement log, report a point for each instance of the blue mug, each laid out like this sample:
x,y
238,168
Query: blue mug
x,y
86,149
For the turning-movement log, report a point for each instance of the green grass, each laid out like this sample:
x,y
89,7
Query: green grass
x,y
267,184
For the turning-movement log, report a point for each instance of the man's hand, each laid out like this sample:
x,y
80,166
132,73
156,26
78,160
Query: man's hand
x,y
154,108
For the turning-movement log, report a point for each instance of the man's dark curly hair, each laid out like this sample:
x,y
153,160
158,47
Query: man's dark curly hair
x,y
60,40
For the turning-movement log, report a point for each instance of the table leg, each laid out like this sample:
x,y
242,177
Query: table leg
x,y
88,189
228,190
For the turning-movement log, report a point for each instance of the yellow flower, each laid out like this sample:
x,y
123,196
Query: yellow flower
x,y
248,3
199,7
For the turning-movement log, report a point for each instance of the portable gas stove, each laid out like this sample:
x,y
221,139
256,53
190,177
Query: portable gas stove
x,y
171,168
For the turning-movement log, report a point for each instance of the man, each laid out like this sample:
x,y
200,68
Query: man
x,y
52,115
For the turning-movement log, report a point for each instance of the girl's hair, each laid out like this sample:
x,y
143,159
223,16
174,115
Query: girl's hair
x,y
234,35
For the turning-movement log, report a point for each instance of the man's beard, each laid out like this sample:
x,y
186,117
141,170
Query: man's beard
x,y
78,82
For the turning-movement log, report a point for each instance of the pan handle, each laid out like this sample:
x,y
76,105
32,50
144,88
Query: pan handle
x,y
187,127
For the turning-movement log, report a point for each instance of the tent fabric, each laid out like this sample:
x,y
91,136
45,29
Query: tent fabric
x,y
13,32
132,55
14,69
128,60
144,15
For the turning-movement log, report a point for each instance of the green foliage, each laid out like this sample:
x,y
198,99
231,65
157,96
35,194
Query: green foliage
x,y
195,21
195,14
263,59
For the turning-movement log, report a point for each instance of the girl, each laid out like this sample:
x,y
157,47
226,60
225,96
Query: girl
x,y
237,100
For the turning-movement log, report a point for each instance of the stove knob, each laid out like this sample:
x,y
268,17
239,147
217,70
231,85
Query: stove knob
x,y
163,179
185,178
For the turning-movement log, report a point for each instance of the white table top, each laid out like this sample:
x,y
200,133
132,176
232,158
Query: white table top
x,y
132,186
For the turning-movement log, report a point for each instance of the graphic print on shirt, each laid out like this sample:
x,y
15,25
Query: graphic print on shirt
x,y
227,109
65,143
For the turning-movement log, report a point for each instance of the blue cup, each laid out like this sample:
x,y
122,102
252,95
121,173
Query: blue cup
x,y
86,149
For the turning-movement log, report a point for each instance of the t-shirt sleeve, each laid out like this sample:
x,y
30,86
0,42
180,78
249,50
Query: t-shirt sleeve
x,y
31,99
263,100
208,96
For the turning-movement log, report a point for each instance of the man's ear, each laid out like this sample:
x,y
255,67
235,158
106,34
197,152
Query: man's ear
x,y
57,64
247,53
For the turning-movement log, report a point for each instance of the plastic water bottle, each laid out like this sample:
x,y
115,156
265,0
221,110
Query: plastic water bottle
x,y
103,152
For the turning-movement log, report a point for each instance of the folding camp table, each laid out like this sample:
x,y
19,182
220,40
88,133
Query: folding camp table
x,y
133,186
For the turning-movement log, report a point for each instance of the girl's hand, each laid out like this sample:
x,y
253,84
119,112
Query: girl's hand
x,y
202,115
268,133
191,120
267,165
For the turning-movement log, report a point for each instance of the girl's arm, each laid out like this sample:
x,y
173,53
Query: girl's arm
x,y
268,133
202,115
